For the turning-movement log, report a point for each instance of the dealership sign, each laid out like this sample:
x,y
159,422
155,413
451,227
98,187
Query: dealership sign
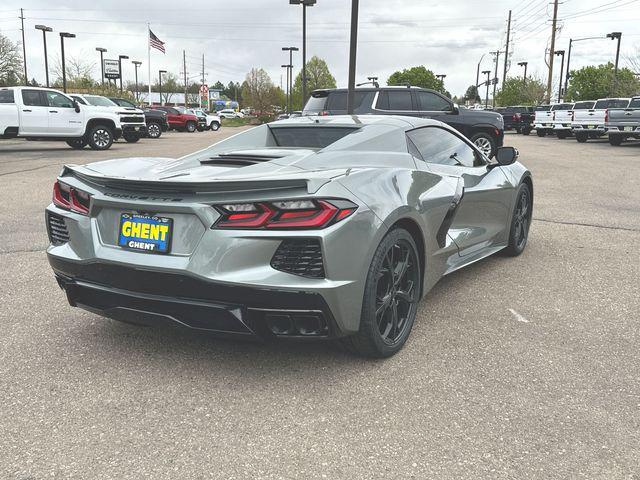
x,y
111,69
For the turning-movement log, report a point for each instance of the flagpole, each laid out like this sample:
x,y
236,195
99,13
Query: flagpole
x,y
149,60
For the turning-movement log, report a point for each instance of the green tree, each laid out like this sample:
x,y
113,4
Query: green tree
x,y
593,82
259,92
10,62
318,76
418,76
170,86
472,95
515,91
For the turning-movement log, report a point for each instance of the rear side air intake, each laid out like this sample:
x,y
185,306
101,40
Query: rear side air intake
x,y
301,257
57,229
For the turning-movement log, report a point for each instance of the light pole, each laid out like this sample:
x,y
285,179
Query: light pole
x,y
290,77
305,4
101,50
160,72
524,64
478,71
614,36
136,64
560,53
571,42
45,29
486,98
120,58
353,50
441,77
64,35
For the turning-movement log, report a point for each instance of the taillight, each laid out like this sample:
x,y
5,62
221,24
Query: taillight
x,y
606,115
71,198
516,117
323,113
298,214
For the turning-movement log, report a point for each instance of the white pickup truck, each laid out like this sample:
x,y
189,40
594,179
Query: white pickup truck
x,y
592,123
131,119
43,113
562,115
623,123
543,120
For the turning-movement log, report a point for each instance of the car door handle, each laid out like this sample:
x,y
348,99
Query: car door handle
x,y
53,111
25,110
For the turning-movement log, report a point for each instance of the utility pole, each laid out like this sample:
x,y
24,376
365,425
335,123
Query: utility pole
x,y
552,49
353,49
24,49
613,36
495,75
486,99
506,50
208,106
184,68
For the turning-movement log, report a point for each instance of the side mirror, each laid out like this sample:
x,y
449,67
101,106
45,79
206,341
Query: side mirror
x,y
76,106
455,109
506,155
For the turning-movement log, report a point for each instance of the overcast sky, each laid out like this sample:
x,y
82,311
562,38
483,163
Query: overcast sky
x,y
234,35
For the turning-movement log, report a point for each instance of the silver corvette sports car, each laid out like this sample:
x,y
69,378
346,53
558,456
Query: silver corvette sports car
x,y
313,227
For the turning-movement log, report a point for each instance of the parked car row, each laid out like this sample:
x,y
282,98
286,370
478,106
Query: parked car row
x,y
86,119
616,118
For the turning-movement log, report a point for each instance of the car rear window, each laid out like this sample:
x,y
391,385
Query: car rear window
x,y
543,108
562,106
309,137
315,104
635,103
611,103
520,109
6,96
584,105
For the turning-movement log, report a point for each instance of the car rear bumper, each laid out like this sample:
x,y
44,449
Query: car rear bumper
x,y
153,298
588,128
623,129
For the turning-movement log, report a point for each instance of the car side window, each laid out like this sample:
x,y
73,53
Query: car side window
x,y
59,101
437,145
6,96
173,111
395,100
431,102
34,98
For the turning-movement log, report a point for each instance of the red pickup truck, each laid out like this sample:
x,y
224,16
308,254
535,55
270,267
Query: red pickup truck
x,y
178,120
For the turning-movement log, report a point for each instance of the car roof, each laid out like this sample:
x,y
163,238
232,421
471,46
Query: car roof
x,y
374,89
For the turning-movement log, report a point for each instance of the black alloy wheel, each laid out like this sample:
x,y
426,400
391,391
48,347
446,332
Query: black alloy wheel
x,y
520,222
390,303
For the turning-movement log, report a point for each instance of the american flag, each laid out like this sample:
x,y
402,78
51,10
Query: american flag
x,y
155,42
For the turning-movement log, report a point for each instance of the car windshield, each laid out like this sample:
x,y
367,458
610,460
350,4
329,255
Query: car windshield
x,y
98,101
583,105
315,104
124,103
309,137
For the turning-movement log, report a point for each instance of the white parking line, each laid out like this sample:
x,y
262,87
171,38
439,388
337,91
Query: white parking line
x,y
517,316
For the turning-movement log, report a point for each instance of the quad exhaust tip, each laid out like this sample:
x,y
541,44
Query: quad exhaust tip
x,y
297,325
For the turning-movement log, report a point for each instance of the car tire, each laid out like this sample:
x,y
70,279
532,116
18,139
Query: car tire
x,y
561,134
100,137
485,143
154,130
392,288
526,131
215,126
77,143
518,131
582,137
190,127
131,137
616,140
520,222
541,133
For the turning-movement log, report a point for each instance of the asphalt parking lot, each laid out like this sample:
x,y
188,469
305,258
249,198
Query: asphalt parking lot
x,y
517,368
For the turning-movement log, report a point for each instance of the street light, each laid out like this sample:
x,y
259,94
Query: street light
x,y
571,42
486,99
101,50
560,53
524,64
120,58
441,77
478,71
353,51
160,72
64,35
290,76
136,64
614,36
305,4
45,29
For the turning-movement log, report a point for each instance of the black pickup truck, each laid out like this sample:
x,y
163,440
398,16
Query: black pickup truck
x,y
484,128
156,120
518,118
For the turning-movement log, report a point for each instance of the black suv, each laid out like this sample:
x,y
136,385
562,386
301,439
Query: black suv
x,y
156,120
484,129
